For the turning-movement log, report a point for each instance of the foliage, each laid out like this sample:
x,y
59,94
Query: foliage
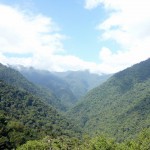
x,y
51,82
120,107
141,142
60,143
67,86
34,145
101,143
31,113
80,82
13,133
14,78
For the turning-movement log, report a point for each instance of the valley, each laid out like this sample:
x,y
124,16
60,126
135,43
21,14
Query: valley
x,y
75,110
74,75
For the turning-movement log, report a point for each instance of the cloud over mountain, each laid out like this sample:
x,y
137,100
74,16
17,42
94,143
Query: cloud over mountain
x,y
35,40
128,25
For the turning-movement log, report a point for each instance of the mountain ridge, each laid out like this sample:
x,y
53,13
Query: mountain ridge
x,y
68,86
14,78
56,85
103,108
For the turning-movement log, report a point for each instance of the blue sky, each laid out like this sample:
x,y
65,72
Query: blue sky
x,y
102,36
75,22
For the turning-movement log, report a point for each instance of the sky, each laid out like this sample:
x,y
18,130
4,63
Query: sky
x,y
102,36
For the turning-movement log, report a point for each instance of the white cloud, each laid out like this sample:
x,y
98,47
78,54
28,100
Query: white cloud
x,y
21,33
92,3
38,42
34,40
128,25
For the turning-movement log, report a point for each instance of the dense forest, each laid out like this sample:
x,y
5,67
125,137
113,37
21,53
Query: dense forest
x,y
36,114
53,83
80,82
14,78
17,105
120,107
69,86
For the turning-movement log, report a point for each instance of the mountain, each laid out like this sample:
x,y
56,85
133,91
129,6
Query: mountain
x,y
80,82
120,107
28,112
69,86
50,81
36,119
14,78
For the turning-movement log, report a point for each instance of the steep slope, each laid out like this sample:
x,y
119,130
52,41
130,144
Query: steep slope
x,y
119,107
81,82
14,78
55,84
32,113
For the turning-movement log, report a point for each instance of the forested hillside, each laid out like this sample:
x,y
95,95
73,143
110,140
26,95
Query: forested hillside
x,y
120,107
69,86
112,116
14,78
80,82
141,142
55,84
36,120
